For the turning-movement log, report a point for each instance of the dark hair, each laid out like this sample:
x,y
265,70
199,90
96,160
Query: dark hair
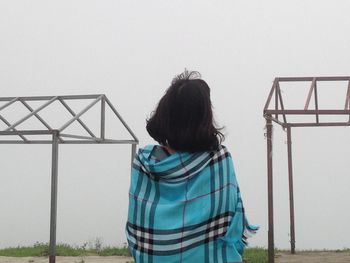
x,y
183,119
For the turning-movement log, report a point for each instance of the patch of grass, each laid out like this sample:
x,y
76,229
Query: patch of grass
x,y
42,250
68,250
251,255
255,255
37,250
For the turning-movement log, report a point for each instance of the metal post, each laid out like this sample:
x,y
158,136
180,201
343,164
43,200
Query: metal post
x,y
53,216
291,192
347,100
103,117
271,246
276,100
133,153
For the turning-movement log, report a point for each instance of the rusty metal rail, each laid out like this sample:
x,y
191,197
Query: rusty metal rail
x,y
272,115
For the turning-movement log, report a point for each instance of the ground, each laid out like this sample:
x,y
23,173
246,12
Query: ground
x,y
281,257
89,259
314,257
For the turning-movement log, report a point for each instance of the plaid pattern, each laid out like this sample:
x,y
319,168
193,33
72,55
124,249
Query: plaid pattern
x,y
185,207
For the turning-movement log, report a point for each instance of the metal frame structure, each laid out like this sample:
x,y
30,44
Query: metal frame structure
x,y
58,137
278,114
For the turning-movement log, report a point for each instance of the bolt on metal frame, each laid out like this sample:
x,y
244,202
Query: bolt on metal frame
x,y
273,115
58,137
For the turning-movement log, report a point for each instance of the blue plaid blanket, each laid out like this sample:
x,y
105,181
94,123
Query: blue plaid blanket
x,y
185,207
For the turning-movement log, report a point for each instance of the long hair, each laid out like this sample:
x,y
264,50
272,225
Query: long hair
x,y
183,119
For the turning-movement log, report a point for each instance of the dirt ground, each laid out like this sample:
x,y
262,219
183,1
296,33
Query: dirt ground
x,y
314,257
90,259
301,257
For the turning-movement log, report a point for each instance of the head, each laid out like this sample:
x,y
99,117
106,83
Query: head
x,y
183,119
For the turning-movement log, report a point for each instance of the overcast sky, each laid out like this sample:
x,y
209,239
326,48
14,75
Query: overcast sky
x,y
130,50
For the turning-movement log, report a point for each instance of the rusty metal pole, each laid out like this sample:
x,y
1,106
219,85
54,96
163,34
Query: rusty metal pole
x,y
271,246
53,217
291,191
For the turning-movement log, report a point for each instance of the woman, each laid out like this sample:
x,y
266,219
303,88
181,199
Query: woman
x,y
184,200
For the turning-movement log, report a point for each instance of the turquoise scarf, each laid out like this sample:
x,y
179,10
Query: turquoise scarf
x,y
185,207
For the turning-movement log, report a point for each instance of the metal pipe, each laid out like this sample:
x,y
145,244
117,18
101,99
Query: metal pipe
x,y
9,103
103,117
276,101
336,78
9,124
291,191
27,142
308,112
32,113
98,141
277,121
316,103
64,126
273,88
281,101
38,117
320,124
312,87
79,137
121,119
79,120
347,99
53,212
271,246
65,97
106,141
26,132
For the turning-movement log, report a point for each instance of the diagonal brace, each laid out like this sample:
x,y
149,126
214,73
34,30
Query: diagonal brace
x,y
121,119
79,120
347,100
313,85
8,103
64,126
38,117
271,93
31,114
9,124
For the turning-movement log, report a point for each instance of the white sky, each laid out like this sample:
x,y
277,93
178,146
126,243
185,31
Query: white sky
x,y
130,50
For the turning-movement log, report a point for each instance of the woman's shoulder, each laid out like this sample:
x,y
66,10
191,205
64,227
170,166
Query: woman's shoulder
x,y
149,150
147,147
223,150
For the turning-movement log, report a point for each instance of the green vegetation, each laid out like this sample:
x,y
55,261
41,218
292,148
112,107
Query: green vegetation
x,y
255,255
37,250
251,255
42,250
96,248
